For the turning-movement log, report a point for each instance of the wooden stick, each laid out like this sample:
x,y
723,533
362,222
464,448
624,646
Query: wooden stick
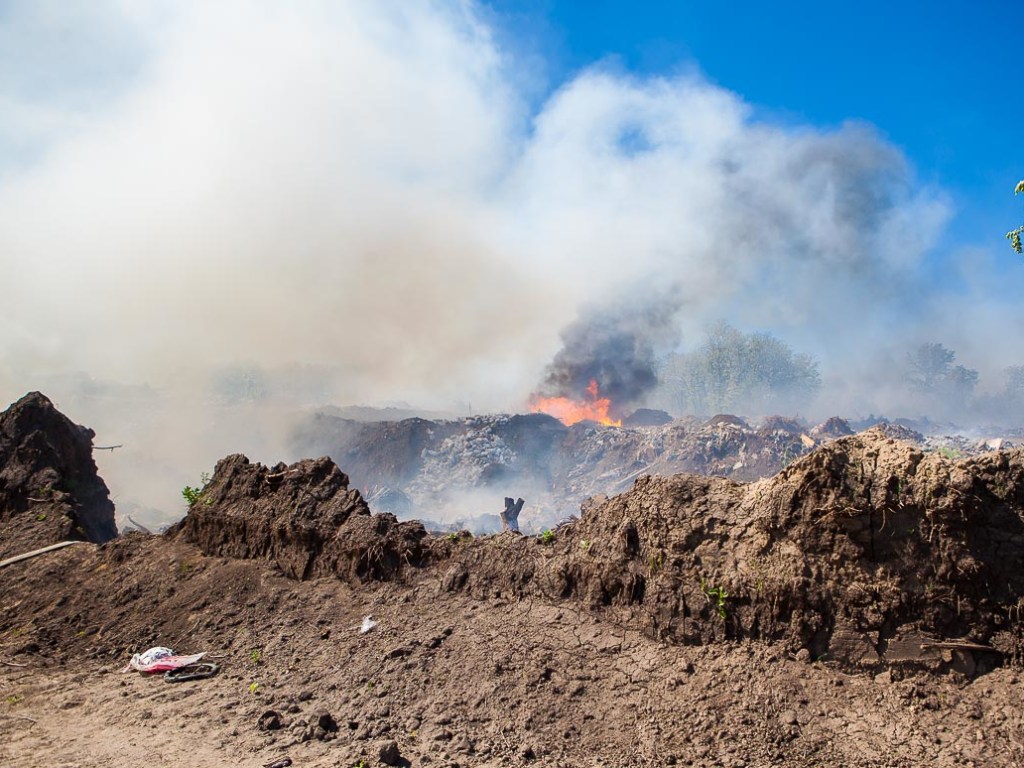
x,y
37,552
12,664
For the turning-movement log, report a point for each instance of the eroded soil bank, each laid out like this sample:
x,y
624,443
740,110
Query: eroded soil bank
x,y
862,607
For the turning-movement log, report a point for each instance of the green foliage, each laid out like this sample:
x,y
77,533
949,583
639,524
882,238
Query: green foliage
x,y
1014,235
716,596
585,545
656,562
950,453
255,656
452,537
733,371
254,688
193,494
547,536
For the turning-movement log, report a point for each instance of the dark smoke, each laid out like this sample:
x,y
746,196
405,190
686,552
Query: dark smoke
x,y
616,346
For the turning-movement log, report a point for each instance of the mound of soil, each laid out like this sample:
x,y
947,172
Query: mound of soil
x,y
865,551
861,608
832,429
303,517
49,489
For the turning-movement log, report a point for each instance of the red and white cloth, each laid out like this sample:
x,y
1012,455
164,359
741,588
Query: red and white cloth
x,y
160,659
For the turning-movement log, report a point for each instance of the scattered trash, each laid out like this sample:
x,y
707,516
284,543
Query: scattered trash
x,y
160,659
191,672
368,624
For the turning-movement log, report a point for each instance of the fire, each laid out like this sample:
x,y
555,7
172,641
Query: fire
x,y
593,408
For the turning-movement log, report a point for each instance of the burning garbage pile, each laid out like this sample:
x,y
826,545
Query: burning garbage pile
x,y
592,408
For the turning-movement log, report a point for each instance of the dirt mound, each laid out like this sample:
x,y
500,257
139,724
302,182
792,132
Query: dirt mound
x,y
303,517
832,429
647,417
49,489
866,550
665,626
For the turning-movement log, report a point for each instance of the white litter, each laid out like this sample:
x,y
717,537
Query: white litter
x,y
368,624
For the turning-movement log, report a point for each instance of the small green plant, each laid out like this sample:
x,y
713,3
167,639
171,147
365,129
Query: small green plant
x,y
656,562
193,494
547,536
255,656
585,545
360,764
948,453
40,517
254,688
452,537
716,596
13,699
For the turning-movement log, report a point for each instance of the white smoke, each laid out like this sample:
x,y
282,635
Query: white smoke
x,y
361,187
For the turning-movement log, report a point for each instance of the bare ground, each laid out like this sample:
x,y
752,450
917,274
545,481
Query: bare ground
x,y
861,608
453,679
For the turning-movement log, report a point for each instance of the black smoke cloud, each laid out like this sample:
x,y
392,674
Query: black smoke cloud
x,y
615,345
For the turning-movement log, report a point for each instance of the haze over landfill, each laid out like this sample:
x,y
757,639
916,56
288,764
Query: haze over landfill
x,y
379,203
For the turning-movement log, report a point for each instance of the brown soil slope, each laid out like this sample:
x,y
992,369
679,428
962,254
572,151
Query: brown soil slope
x,y
860,608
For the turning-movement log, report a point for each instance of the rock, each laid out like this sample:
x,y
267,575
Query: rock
x,y
270,721
388,752
323,719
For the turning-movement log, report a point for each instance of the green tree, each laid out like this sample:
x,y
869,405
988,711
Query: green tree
x,y
947,389
1014,236
732,371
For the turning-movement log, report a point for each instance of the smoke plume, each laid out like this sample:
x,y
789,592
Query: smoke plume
x,y
362,202
614,346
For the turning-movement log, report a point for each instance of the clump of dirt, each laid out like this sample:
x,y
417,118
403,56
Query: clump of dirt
x,y
49,488
865,551
832,429
303,517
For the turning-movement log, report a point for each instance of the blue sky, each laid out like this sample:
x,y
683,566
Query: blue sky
x,y
940,80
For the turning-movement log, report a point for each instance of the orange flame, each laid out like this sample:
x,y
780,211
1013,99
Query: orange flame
x,y
569,412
